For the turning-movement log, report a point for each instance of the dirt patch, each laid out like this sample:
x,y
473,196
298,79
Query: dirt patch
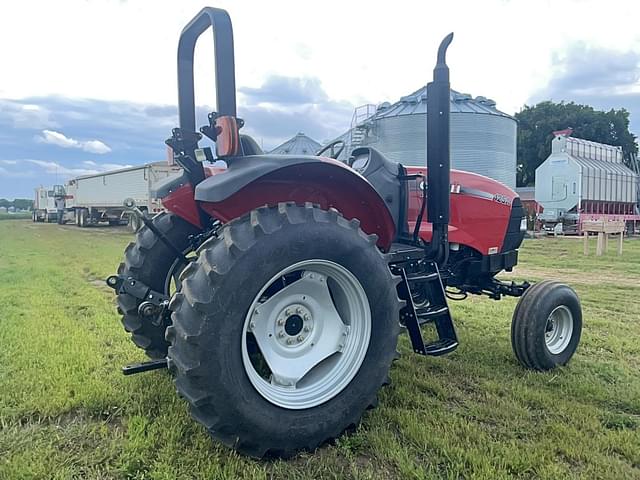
x,y
99,283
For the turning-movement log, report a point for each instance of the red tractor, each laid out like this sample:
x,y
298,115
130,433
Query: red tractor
x,y
275,290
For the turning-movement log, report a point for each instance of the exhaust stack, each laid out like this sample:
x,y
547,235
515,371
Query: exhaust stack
x,y
438,161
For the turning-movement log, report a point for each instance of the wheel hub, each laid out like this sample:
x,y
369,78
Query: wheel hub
x,y
293,325
558,329
312,334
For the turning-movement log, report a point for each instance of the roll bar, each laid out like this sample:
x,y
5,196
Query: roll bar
x,y
220,21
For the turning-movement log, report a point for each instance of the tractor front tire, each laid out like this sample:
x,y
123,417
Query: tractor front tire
x,y
546,326
151,262
284,330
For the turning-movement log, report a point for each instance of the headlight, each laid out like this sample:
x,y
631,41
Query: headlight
x,y
523,224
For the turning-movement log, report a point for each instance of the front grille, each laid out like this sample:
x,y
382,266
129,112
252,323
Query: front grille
x,y
514,236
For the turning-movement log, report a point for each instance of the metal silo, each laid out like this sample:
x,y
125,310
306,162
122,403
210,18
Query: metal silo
x,y
483,139
300,144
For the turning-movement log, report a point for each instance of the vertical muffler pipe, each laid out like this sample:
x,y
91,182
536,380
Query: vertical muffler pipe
x,y
438,161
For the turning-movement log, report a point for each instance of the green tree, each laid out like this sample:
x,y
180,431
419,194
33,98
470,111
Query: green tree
x,y
19,203
537,123
23,203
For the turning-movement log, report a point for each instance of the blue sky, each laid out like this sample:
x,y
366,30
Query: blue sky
x,y
93,86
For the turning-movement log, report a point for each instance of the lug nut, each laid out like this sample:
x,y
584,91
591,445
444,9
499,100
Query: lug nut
x,y
252,325
256,312
307,329
300,338
306,317
287,311
280,322
280,334
298,310
289,341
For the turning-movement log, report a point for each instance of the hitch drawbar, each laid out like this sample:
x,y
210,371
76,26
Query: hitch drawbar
x,y
153,306
144,366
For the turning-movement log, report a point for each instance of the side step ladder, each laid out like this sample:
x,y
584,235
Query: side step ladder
x,y
437,312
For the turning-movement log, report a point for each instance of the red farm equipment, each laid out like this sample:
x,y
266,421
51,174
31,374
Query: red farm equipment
x,y
275,290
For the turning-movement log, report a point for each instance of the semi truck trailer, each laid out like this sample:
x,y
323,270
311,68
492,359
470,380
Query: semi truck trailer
x,y
99,198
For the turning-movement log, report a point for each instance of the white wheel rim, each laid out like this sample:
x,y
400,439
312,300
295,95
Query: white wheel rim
x,y
312,334
558,329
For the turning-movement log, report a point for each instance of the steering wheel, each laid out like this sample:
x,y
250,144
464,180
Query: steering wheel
x,y
336,148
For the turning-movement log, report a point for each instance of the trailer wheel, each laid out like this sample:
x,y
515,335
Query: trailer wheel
x,y
546,326
285,329
83,218
154,264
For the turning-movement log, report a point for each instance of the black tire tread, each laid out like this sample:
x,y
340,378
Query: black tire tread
x,y
139,263
216,258
523,336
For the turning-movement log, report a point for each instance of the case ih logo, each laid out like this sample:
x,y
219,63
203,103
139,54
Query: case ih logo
x,y
498,197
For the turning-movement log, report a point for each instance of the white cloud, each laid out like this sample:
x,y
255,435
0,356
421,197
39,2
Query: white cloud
x,y
96,146
502,49
105,167
17,168
61,140
7,173
58,169
26,115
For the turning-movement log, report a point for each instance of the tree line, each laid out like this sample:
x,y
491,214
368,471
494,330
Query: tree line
x,y
18,203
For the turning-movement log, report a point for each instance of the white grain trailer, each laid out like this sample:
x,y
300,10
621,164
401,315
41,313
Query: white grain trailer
x,y
92,199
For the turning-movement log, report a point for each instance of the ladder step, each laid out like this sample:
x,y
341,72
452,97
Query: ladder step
x,y
427,277
441,347
430,312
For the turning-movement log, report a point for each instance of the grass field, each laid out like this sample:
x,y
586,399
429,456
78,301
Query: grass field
x,y
67,412
15,216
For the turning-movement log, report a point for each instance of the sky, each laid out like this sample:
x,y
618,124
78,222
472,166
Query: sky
x,y
90,85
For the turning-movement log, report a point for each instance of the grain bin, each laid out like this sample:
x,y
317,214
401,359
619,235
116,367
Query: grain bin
x,y
583,179
483,139
300,144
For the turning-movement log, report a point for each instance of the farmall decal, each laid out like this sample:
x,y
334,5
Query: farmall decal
x,y
498,197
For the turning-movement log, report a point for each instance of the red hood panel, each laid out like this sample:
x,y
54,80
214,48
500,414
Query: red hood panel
x,y
479,212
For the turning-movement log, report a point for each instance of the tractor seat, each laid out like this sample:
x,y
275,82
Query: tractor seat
x,y
250,146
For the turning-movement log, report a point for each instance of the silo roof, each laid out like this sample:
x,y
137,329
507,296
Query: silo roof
x,y
300,144
595,156
416,103
600,165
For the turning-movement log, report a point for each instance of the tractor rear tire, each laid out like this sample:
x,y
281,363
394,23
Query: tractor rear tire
x,y
546,326
273,254
151,262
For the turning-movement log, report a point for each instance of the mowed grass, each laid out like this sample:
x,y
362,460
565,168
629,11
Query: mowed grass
x,y
15,216
66,411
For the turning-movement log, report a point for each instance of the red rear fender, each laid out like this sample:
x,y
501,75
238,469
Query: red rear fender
x,y
329,184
